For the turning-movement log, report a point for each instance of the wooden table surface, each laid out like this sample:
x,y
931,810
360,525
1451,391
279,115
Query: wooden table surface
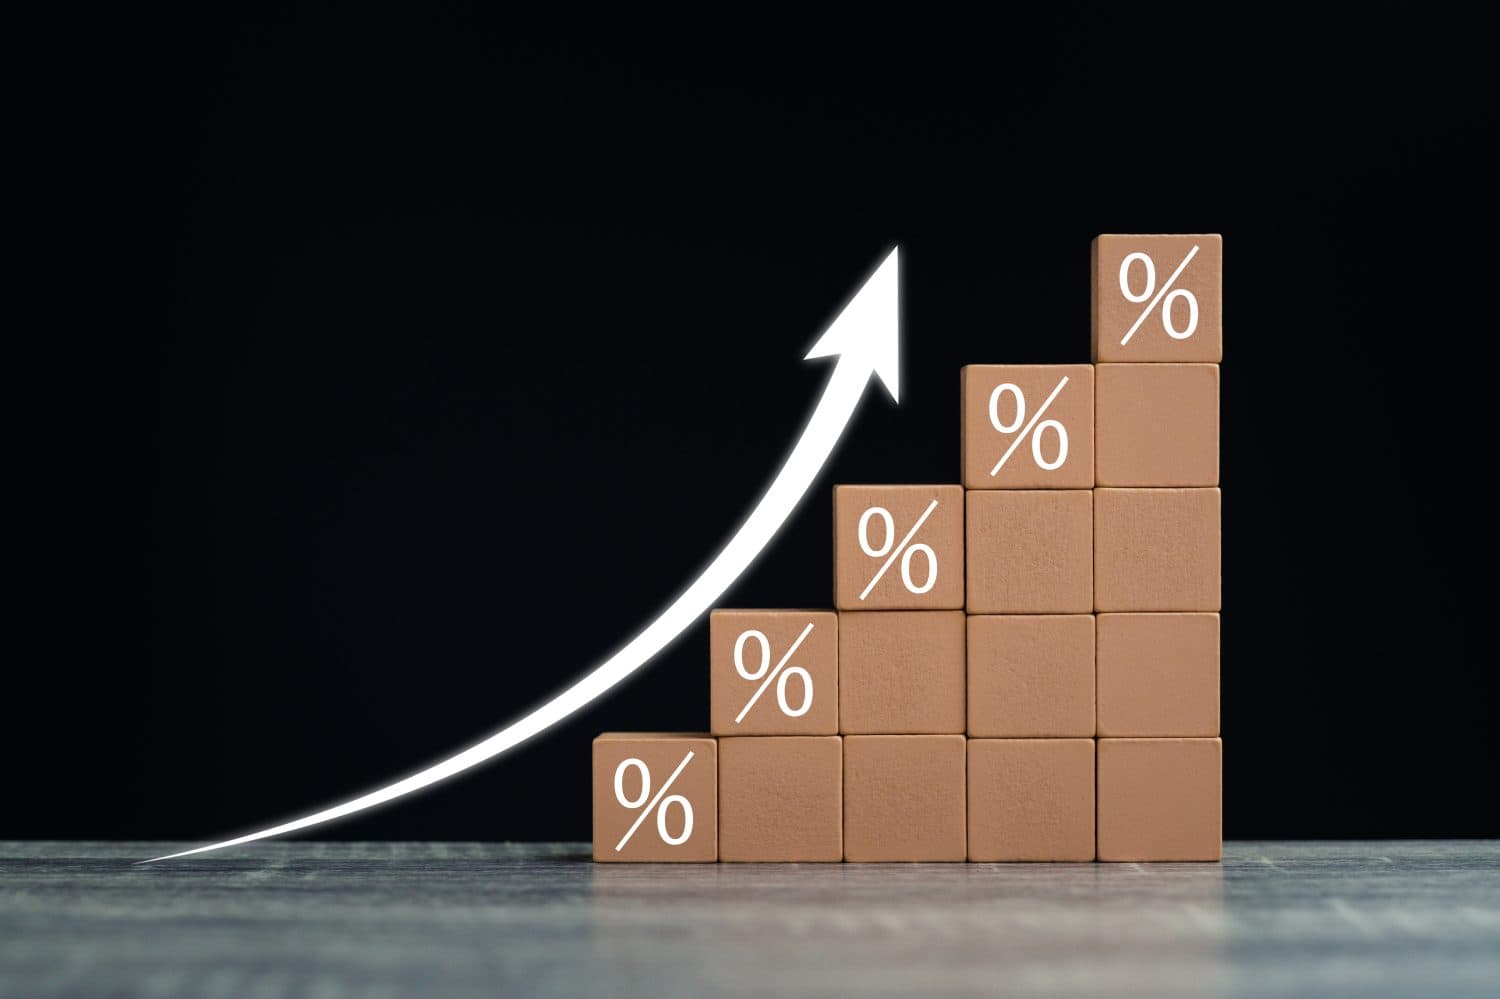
x,y
372,919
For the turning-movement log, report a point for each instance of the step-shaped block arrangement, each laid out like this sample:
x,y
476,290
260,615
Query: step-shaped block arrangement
x,y
1020,667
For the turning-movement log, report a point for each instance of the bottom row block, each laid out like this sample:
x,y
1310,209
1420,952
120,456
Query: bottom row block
x,y
904,797
692,798
656,797
1160,799
781,798
1031,799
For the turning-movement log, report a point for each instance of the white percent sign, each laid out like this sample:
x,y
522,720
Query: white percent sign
x,y
905,550
1032,430
1155,294
779,675
657,805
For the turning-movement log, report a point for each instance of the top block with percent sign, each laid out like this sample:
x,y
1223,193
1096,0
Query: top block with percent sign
x,y
1158,298
1028,426
898,547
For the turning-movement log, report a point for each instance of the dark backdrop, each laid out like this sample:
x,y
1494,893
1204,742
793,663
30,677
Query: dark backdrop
x,y
378,374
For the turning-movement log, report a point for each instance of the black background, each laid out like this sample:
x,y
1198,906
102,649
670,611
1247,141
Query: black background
x,y
378,374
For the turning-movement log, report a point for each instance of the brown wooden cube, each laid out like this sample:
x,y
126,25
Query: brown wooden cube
x,y
1157,298
1031,676
1028,426
1160,799
901,672
1030,551
1158,674
904,797
1031,799
773,672
656,797
1156,550
898,547
781,798
1157,425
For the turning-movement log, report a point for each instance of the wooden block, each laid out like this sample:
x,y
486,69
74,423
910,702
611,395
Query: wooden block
x,y
1030,552
1031,677
773,672
1156,549
901,672
1028,426
904,797
1158,674
1157,425
898,547
656,797
1145,309
1160,799
781,798
1031,799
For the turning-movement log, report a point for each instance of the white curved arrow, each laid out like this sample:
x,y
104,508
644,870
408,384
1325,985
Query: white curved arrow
x,y
866,338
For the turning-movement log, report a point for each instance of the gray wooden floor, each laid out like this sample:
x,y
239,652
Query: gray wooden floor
x,y
434,918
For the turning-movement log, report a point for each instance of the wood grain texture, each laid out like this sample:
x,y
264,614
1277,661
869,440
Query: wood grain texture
x,y
904,798
1029,551
901,672
1156,550
781,798
1157,425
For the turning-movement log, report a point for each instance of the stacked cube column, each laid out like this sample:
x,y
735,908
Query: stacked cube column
x,y
899,588
1157,335
1028,465
774,704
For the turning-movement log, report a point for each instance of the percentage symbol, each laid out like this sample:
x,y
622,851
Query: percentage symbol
x,y
1155,294
779,675
657,805
1032,430
905,550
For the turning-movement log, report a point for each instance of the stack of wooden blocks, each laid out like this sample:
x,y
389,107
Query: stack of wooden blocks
x,y
1021,668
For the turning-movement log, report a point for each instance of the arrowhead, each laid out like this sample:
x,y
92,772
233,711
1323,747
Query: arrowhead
x,y
867,332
